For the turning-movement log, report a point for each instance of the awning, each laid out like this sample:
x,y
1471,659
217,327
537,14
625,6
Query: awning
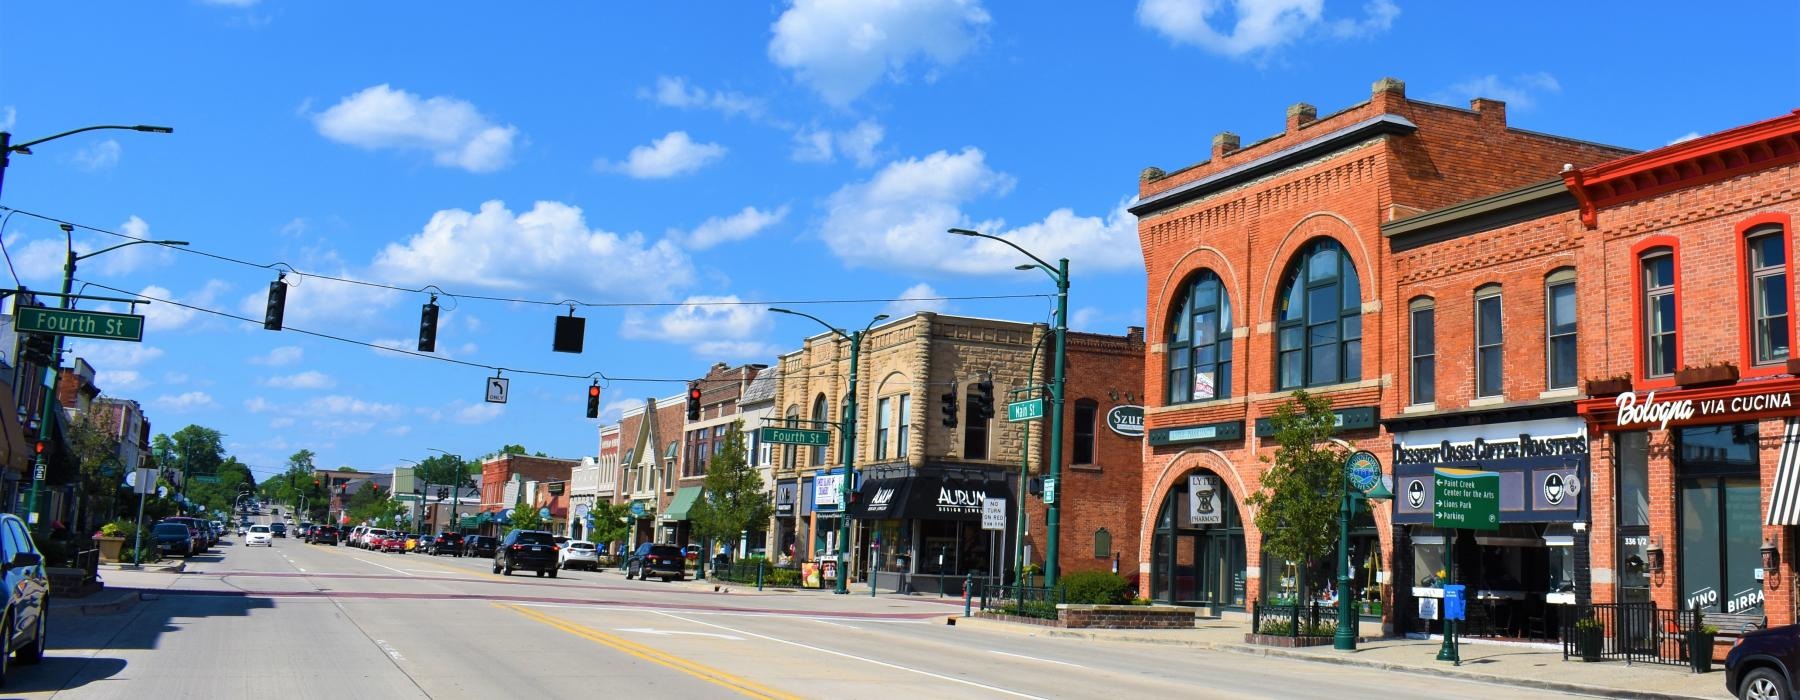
x,y
684,499
927,498
882,499
1784,496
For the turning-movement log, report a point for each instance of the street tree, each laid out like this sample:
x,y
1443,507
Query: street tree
x,y
732,499
371,503
1297,507
612,522
525,517
99,481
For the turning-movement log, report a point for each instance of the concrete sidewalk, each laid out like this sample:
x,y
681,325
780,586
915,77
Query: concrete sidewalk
x,y
1533,666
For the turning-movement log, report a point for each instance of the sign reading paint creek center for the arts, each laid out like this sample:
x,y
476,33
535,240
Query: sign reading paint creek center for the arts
x,y
81,324
1466,498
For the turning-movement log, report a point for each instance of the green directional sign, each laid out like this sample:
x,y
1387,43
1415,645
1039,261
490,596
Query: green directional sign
x,y
796,436
1025,410
1466,498
207,479
81,324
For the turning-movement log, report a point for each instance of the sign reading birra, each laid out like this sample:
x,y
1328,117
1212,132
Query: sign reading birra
x,y
796,436
1466,498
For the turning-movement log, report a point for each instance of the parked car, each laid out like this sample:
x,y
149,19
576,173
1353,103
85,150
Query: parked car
x,y
202,532
303,531
446,543
259,534
412,543
218,526
664,561
279,529
562,541
354,537
175,538
580,555
324,534
691,552
1762,664
373,536
394,542
533,550
479,546
27,595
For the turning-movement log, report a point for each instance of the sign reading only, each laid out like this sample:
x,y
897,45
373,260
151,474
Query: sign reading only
x,y
796,436
1025,410
81,324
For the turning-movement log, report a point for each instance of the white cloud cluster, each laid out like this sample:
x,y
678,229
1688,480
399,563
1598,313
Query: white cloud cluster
x,y
858,143
98,156
740,226
8,117
310,379
550,246
841,48
676,92
1256,25
453,131
284,355
673,154
313,301
915,299
899,217
184,402
727,330
1520,92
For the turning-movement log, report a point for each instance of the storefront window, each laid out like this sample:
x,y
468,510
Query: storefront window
x,y
1197,552
1721,529
893,541
1428,559
952,548
1562,569
1282,579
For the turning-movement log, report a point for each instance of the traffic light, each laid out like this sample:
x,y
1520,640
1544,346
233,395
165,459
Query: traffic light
x,y
277,304
570,331
39,348
38,448
693,405
594,400
948,404
981,400
428,326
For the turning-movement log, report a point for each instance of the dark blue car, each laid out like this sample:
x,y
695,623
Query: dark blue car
x,y
27,596
1761,665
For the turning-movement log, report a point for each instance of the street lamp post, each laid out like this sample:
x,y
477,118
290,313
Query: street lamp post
x,y
1053,509
848,427
1344,639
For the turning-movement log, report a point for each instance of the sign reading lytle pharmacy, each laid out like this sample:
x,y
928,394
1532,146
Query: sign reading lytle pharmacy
x,y
1661,409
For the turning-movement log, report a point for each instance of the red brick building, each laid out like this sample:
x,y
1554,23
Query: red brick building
x,y
500,469
1268,272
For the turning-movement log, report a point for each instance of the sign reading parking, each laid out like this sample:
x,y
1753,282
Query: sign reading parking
x,y
1466,498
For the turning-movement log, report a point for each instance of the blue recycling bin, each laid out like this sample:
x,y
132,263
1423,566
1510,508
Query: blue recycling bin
x,y
1454,602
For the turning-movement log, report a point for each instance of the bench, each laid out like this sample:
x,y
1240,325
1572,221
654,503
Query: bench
x,y
1733,626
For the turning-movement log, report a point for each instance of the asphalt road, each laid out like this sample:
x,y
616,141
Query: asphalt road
x,y
302,621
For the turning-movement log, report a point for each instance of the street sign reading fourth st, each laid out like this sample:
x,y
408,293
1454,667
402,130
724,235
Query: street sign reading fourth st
x,y
796,436
1466,498
81,324
1025,410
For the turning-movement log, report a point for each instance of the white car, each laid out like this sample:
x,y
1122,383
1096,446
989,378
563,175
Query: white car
x,y
259,534
579,555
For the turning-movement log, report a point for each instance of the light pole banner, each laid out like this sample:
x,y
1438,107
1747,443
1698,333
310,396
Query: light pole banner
x,y
1203,500
825,489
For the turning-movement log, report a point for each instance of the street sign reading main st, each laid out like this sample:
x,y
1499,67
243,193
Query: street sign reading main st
x,y
81,324
1018,411
796,436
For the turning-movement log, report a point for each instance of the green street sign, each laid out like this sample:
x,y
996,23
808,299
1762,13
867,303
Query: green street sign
x,y
1025,410
81,324
207,479
796,436
1049,490
1466,498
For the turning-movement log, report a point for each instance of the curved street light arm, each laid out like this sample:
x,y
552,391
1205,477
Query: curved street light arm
x,y
1046,267
839,331
26,147
85,256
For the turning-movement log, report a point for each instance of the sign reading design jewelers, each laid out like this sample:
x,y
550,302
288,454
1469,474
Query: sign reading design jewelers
x,y
1203,500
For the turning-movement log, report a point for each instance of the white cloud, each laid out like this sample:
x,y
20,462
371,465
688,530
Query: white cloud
x,y
675,92
163,317
313,301
915,299
858,143
737,227
115,381
8,117
719,330
310,379
613,409
477,413
841,48
399,430
185,402
341,428
113,355
338,405
175,377
453,131
284,355
1255,25
258,404
898,219
1689,136
673,154
1085,318
98,156
1520,92
281,422
549,246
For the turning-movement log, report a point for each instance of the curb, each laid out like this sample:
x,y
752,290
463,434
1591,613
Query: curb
x,y
127,600
176,568
1276,652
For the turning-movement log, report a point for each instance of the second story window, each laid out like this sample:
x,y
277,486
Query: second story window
x,y
1658,271
1319,319
1768,295
1200,341
1087,412
975,428
820,414
904,419
1490,355
882,419
1424,351
1559,329
790,453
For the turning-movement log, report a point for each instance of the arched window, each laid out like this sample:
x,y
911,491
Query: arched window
x,y
820,414
1319,319
1769,292
1087,413
1657,271
975,423
1200,341
1102,544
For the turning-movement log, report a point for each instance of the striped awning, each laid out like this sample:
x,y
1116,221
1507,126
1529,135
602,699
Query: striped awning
x,y
1784,494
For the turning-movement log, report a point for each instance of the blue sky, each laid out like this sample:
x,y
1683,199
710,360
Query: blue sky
x,y
684,151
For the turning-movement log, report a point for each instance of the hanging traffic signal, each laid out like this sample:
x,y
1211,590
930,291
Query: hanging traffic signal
x,y
948,404
428,326
984,400
570,330
594,400
693,406
277,304
40,348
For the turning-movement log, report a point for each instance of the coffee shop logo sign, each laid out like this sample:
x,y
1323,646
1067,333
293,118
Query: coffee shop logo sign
x,y
1650,411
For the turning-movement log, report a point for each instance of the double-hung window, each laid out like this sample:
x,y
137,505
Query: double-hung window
x,y
1768,295
1424,351
900,431
1658,272
1559,329
882,419
1490,354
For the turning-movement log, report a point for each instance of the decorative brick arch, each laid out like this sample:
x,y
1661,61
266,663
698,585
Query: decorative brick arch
x,y
1323,224
894,382
1178,466
1202,258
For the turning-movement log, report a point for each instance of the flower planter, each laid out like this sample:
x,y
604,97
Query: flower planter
x,y
1587,642
1710,375
1700,651
109,548
1794,366
1608,387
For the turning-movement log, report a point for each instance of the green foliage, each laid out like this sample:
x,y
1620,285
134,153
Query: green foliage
x,y
732,499
99,478
612,522
1094,588
1043,610
371,503
1285,628
1297,508
525,517
1589,623
141,555
119,528
781,577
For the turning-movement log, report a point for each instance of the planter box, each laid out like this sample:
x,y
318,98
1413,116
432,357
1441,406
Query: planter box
x,y
1126,617
1794,366
1706,376
1282,640
1608,387
110,548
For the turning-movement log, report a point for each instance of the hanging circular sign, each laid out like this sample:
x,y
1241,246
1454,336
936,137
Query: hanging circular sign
x,y
1364,470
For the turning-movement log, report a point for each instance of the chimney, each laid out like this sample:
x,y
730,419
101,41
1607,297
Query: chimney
x,y
1135,334
1224,144
1489,110
1388,93
1300,114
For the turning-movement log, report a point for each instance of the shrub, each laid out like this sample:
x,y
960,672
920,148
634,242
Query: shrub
x,y
118,528
781,577
1094,588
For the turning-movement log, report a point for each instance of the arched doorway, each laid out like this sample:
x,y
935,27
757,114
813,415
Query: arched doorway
x,y
1197,554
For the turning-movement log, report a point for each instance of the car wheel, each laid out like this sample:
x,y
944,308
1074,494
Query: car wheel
x,y
1763,684
540,573
496,568
35,652
509,570
553,573
5,655
630,572
667,579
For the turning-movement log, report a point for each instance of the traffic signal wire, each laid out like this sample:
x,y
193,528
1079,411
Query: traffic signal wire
x,y
428,289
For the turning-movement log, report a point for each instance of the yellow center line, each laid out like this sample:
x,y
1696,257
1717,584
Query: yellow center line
x,y
706,673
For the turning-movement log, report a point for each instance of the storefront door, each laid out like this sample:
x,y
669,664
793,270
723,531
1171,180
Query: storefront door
x,y
1199,554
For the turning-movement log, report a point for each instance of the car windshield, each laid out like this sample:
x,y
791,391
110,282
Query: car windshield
x,y
259,528
278,527
581,545
665,551
378,532
171,529
535,538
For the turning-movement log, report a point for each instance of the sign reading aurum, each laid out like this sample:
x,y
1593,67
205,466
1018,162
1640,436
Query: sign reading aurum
x,y
1651,411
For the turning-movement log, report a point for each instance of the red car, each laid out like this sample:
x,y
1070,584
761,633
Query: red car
x,y
395,542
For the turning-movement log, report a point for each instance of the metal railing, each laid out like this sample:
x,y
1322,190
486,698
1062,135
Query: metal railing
x,y
1294,620
1023,601
1631,632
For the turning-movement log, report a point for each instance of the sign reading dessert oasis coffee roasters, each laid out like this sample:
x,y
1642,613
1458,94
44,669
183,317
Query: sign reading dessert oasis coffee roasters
x,y
1540,470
